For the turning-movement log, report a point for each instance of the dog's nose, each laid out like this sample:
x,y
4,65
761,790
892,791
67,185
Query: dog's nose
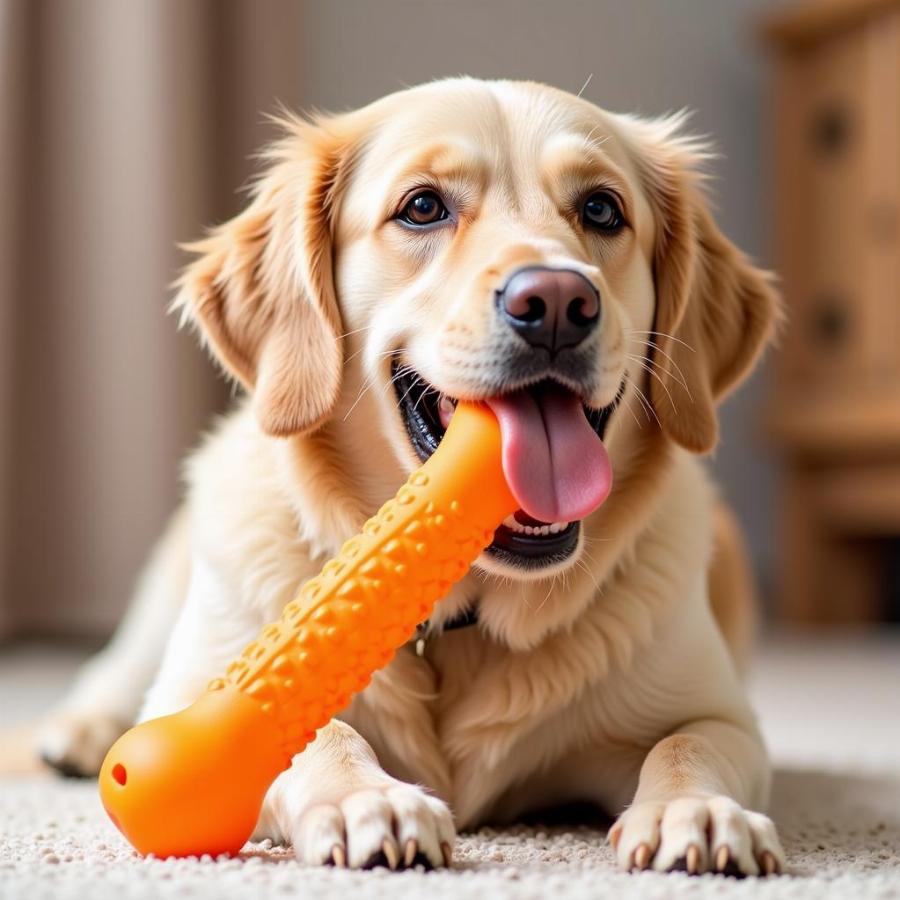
x,y
550,308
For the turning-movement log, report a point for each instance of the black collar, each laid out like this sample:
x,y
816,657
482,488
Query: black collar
x,y
464,619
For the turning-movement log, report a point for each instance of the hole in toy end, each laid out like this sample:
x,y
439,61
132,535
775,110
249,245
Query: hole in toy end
x,y
119,773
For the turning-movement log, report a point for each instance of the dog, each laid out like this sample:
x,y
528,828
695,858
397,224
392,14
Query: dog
x,y
511,243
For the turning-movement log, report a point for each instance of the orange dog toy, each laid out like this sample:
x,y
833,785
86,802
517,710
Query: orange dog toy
x,y
194,782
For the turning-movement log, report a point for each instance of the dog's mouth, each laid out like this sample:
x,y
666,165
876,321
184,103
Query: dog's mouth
x,y
554,460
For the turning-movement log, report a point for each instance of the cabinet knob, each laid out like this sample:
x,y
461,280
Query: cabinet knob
x,y
830,320
831,128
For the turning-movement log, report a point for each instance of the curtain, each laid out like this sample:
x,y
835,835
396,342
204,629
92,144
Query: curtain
x,y
125,127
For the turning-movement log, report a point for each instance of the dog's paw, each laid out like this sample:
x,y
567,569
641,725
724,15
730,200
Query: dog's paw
x,y
395,825
75,744
696,835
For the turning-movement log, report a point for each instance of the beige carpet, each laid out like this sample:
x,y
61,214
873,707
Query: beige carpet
x,y
831,710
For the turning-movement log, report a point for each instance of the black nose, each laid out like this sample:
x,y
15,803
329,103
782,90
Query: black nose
x,y
550,308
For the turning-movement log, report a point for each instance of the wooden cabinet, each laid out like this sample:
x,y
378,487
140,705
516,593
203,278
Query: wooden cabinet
x,y
835,411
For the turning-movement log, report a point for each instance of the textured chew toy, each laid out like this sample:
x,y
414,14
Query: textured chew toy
x,y
194,782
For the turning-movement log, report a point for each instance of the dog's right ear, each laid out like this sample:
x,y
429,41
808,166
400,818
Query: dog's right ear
x,y
261,292
715,310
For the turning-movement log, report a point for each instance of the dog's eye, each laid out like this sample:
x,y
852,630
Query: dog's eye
x,y
601,211
425,208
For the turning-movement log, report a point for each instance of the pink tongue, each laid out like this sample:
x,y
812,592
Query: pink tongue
x,y
554,462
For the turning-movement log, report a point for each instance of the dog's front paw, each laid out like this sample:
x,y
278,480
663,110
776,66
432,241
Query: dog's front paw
x,y
395,825
696,835
76,743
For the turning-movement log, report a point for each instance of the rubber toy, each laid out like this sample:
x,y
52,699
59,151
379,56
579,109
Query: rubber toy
x,y
194,782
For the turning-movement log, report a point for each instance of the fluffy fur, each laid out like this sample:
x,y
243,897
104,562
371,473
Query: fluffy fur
x,y
612,677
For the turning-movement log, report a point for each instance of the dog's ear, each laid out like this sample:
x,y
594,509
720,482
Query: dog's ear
x,y
261,292
715,310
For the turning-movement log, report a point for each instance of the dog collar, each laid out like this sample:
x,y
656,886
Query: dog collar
x,y
463,620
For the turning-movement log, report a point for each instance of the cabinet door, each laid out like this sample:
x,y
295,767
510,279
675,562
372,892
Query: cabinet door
x,y
881,204
837,175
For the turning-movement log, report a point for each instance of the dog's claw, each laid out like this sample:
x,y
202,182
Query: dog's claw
x,y
339,856
447,852
391,854
692,859
412,848
642,856
768,863
722,857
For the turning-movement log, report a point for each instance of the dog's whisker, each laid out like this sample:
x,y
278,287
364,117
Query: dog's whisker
x,y
525,598
639,394
651,346
665,334
679,378
353,355
428,390
402,372
645,404
655,368
639,361
648,404
584,87
651,371
549,592
380,355
581,564
406,392
628,405
347,334
597,540
368,384
359,397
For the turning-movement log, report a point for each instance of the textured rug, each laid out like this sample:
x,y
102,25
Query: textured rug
x,y
831,710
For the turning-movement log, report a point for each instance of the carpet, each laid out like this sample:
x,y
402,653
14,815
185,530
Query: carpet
x,y
830,709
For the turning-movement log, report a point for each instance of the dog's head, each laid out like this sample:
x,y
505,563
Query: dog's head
x,y
499,241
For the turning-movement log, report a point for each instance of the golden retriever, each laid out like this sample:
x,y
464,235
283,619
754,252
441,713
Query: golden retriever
x,y
512,243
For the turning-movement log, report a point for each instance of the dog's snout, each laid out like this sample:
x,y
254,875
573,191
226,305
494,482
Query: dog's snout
x,y
550,308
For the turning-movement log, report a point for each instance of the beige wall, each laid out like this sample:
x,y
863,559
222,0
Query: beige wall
x,y
12,151
133,122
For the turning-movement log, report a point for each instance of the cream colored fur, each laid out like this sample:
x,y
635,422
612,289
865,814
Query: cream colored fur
x,y
606,678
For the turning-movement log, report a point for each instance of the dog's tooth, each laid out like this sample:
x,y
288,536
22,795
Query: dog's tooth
x,y
513,524
446,408
529,529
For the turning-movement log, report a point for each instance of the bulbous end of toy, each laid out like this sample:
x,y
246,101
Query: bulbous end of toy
x,y
193,782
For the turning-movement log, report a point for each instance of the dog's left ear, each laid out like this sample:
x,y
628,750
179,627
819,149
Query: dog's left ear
x,y
261,291
715,310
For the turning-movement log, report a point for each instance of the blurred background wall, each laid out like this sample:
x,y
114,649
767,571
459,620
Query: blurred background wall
x,y
127,125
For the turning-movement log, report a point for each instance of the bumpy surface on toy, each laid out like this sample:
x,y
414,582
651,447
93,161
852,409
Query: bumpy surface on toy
x,y
194,782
